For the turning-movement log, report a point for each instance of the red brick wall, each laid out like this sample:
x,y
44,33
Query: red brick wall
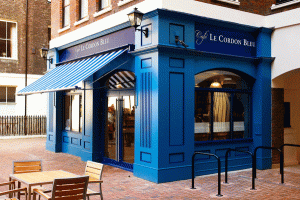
x,y
56,14
262,7
38,22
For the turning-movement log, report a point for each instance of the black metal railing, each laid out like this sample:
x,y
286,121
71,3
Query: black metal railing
x,y
21,125
282,159
219,170
226,160
254,163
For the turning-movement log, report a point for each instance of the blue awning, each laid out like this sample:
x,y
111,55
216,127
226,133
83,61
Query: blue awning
x,y
68,75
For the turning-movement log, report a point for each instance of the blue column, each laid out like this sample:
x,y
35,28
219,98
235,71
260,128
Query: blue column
x,y
262,99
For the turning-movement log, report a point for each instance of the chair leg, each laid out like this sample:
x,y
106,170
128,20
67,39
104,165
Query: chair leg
x,y
100,189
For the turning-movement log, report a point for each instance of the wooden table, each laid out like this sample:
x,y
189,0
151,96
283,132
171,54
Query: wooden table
x,y
40,178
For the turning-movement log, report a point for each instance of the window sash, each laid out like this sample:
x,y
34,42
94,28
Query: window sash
x,y
103,4
73,113
83,9
8,39
66,13
7,94
210,128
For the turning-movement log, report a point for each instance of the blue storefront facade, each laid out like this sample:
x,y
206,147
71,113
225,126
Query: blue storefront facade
x,y
194,84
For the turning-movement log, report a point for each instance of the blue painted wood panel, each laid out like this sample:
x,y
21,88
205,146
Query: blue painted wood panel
x,y
146,104
176,109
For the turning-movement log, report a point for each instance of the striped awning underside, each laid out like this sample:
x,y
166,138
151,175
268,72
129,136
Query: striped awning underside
x,y
122,79
68,75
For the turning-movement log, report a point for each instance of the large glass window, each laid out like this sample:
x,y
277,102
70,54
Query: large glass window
x,y
66,13
8,39
73,112
7,94
222,106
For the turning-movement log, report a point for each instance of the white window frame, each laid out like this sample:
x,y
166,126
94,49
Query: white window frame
x,y
104,9
14,42
123,2
276,6
8,86
234,2
66,17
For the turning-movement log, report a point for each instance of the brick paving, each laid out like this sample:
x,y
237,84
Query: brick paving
x,y
120,184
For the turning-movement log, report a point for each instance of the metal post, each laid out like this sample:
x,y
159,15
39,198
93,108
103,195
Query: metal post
x,y
193,171
219,177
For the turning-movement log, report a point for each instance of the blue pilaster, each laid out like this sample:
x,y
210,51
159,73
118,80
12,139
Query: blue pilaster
x,y
262,99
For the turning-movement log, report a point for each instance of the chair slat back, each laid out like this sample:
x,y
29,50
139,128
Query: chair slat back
x,y
94,170
70,188
27,166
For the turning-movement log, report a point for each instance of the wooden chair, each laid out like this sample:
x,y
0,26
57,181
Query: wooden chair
x,y
94,171
12,192
26,166
65,188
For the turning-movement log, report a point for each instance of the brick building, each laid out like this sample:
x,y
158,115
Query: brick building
x,y
196,75
24,28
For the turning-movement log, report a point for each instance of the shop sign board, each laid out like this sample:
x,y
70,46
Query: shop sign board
x,y
221,40
98,45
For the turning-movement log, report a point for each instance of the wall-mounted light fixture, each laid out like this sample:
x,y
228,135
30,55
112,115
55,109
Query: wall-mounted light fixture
x,y
135,19
44,52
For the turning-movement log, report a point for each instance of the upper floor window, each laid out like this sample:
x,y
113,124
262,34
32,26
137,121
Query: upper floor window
x,y
103,4
83,9
66,13
8,39
282,1
7,94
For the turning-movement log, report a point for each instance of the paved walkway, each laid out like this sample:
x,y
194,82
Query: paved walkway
x,y
120,184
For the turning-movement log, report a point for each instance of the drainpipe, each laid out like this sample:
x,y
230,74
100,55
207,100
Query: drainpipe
x,y
26,65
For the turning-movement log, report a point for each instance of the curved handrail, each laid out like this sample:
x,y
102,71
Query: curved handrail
x,y
226,160
282,159
219,170
254,162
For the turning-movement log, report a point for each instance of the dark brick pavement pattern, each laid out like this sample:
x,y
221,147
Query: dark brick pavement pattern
x,y
120,184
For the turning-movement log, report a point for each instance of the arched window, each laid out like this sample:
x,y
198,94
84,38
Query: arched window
x,y
222,106
121,80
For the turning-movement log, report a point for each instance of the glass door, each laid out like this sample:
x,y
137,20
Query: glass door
x,y
128,129
119,139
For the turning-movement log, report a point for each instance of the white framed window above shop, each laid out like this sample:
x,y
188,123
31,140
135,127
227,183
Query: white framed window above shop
x,y
7,94
103,6
73,115
234,2
283,3
123,2
83,9
66,13
8,40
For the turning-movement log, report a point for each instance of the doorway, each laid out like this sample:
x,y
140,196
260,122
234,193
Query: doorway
x,y
119,134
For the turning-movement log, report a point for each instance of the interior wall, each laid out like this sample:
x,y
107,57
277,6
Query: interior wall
x,y
291,84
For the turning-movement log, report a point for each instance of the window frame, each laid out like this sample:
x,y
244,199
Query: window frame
x,y
100,4
231,132
81,11
13,40
6,94
80,114
64,25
